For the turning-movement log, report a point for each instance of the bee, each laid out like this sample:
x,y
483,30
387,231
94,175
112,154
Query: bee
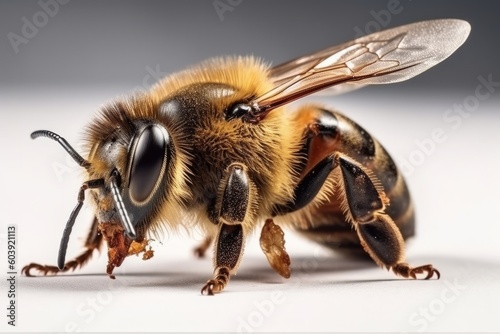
x,y
215,147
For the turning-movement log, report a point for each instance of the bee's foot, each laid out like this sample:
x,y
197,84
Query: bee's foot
x,y
404,270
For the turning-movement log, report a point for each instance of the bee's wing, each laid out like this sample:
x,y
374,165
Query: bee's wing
x,y
383,57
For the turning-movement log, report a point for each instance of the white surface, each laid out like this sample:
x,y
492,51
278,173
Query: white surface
x,y
456,190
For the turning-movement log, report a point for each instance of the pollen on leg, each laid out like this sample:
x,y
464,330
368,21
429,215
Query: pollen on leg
x,y
272,242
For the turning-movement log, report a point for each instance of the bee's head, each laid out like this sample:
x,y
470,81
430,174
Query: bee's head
x,y
136,159
130,169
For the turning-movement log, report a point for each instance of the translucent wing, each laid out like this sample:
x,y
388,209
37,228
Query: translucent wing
x,y
383,57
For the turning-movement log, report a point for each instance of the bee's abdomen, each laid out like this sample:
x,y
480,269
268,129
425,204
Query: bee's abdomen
x,y
335,133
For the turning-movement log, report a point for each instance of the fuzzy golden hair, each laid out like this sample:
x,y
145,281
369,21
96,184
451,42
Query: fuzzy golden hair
x,y
270,149
275,139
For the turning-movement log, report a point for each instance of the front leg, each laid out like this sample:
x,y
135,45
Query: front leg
x,y
93,242
236,204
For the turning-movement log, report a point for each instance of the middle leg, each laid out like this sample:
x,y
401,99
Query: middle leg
x,y
235,208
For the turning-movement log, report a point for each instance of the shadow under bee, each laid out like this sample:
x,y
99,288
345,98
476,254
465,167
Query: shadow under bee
x,y
308,270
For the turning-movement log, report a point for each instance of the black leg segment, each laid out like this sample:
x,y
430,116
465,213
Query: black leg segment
x,y
365,203
362,196
382,239
308,187
235,195
236,203
229,245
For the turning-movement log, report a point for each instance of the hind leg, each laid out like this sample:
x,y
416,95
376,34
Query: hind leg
x,y
364,203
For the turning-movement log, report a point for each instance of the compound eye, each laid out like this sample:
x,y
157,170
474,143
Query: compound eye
x,y
147,162
237,111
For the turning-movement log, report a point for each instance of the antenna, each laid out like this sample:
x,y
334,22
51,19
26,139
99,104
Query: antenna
x,y
54,136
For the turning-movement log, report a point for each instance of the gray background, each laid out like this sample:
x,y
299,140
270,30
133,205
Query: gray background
x,y
100,42
92,51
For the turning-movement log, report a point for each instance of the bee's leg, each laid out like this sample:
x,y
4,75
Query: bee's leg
x,y
308,187
236,203
364,202
272,243
93,242
200,250
228,252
